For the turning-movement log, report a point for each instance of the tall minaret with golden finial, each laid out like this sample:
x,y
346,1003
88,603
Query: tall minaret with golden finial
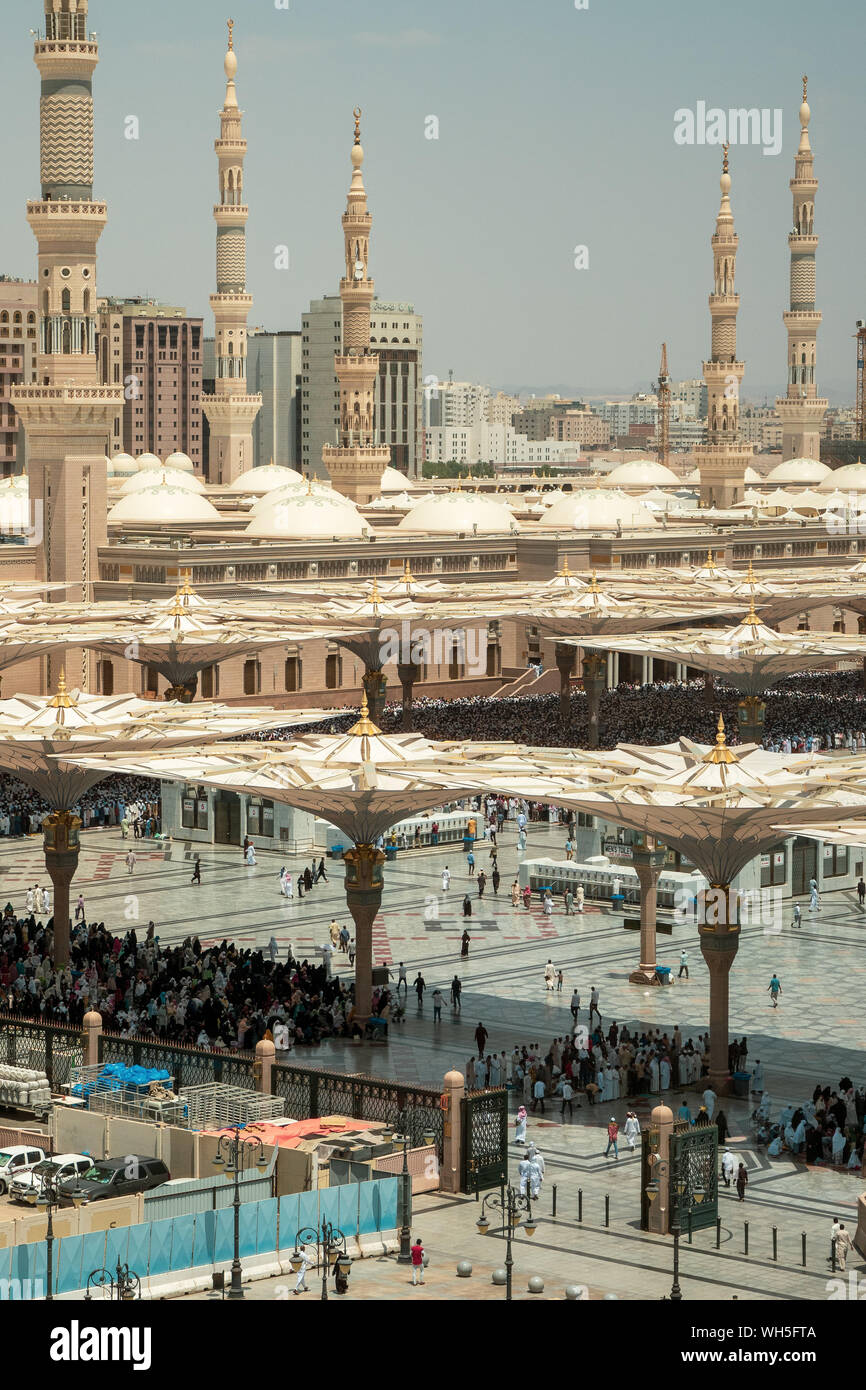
x,y
68,416
801,409
722,460
231,410
357,462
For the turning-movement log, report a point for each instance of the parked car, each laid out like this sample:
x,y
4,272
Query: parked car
x,y
61,1167
114,1177
14,1162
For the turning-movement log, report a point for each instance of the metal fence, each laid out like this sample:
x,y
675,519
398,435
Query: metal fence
x,y
44,1047
309,1094
190,1066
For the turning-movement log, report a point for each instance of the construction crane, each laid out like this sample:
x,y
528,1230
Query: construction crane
x,y
663,422
860,409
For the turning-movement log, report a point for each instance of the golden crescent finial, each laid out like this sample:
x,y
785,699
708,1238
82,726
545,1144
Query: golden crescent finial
x,y
724,159
357,114
805,85
721,753
231,35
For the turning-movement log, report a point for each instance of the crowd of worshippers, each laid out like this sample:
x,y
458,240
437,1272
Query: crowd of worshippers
x,y
116,800
829,1129
217,996
803,713
602,1066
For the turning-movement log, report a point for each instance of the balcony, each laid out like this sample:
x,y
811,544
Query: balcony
x,y
66,208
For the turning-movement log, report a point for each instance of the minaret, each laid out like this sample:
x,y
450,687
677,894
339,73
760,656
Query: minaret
x,y
231,410
68,416
802,409
722,460
357,463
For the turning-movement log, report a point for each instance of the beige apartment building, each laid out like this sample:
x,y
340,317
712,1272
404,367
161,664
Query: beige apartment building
x,y
18,349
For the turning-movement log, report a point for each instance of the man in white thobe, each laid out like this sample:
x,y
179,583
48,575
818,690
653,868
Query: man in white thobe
x,y
710,1101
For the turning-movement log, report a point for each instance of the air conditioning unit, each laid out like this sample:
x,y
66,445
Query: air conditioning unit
x,y
272,571
789,549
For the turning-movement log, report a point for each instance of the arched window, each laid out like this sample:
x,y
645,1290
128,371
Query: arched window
x,y
17,317
31,317
87,301
66,301
66,344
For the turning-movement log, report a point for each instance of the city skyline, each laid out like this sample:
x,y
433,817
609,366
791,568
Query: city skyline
x,y
493,273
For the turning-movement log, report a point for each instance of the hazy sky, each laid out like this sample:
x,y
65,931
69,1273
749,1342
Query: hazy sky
x,y
556,129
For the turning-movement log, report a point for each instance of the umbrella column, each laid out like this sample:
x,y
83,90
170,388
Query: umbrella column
x,y
750,719
62,846
375,685
594,680
409,672
648,862
861,628
185,693
719,945
364,883
565,666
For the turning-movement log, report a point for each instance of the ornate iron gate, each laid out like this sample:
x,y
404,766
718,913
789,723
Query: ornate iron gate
x,y
695,1166
46,1047
484,1140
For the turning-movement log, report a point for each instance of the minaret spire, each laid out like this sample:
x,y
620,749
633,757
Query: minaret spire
x,y
357,463
231,410
801,409
722,459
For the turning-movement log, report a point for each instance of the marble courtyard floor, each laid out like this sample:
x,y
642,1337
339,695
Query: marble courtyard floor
x,y
816,1034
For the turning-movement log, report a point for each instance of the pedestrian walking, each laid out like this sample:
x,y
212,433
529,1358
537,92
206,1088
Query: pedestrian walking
x,y
520,1123
496,879
539,1091
456,990
402,979
861,891
593,1006
417,1261
446,879
79,908
466,938
843,1245
515,894
774,989
710,1101
437,1005
684,965
575,1005
567,1098
728,1166
470,860
579,897
549,975
569,849
320,872
742,1182
559,981
420,986
814,903
130,861
481,1036
482,883
301,1285
798,916
631,1128
467,912
612,1136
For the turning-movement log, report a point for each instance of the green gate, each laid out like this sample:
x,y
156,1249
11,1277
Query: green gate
x,y
695,1168
484,1140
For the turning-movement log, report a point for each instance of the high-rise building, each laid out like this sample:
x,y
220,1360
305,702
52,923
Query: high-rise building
x,y
458,405
274,372
68,415
18,349
154,351
722,459
693,395
801,409
231,409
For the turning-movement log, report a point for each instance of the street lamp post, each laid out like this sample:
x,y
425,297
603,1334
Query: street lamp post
x,y
671,1168
332,1242
48,1198
511,1203
125,1284
232,1155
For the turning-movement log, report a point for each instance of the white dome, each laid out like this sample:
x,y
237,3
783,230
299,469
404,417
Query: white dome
x,y
752,475
802,472
267,477
182,462
145,461
394,481
450,513
306,515
308,486
172,477
597,509
163,503
851,478
122,466
640,473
